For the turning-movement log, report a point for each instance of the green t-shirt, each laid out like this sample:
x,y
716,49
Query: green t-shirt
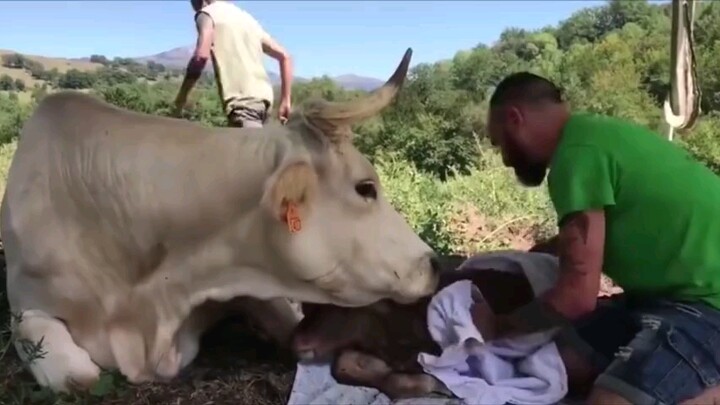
x,y
662,207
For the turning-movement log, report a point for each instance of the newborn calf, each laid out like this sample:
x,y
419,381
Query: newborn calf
x,y
378,345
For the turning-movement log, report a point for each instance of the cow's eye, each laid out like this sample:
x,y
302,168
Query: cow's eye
x,y
366,189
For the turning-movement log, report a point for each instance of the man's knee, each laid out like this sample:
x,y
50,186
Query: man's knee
x,y
670,360
600,396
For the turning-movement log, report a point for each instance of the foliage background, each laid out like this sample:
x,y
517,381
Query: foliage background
x,y
430,147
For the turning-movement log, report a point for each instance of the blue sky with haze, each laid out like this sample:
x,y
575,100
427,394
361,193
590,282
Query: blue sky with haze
x,y
325,37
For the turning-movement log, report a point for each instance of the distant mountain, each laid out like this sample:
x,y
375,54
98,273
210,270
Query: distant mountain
x,y
177,58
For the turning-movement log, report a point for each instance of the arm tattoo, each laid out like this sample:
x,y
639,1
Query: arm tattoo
x,y
580,249
573,238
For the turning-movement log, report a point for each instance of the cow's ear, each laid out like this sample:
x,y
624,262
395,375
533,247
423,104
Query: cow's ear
x,y
290,190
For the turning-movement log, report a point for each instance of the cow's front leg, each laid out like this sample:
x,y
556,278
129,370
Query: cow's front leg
x,y
200,320
276,317
44,343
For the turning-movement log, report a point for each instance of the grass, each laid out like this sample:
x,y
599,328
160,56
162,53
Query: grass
x,y
483,210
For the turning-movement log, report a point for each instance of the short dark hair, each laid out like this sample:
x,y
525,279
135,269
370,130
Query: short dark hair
x,y
525,87
196,4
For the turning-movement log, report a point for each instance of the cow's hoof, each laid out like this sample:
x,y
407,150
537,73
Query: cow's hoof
x,y
169,365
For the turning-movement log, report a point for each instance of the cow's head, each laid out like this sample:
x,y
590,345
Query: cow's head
x,y
350,243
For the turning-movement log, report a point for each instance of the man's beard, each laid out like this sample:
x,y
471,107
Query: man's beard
x,y
530,175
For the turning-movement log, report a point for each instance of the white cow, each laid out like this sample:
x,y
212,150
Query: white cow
x,y
126,235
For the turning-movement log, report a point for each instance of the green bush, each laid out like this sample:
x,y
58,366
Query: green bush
x,y
486,209
12,116
703,142
423,200
6,83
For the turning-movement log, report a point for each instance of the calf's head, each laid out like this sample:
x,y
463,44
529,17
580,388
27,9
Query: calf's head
x,y
393,332
334,229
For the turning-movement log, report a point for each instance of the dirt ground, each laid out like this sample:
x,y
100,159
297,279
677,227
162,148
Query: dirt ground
x,y
233,368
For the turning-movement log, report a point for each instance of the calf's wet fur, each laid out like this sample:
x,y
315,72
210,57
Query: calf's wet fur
x,y
378,345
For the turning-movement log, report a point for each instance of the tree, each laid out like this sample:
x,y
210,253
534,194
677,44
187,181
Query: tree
x,y
76,79
101,59
19,85
36,69
7,83
13,61
51,76
111,76
38,92
612,59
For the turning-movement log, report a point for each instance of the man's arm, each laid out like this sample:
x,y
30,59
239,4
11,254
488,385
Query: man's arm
x,y
273,49
581,247
206,31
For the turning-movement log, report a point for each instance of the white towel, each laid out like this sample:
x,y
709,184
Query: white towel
x,y
522,370
315,385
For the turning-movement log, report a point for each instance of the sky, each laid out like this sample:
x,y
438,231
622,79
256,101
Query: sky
x,y
367,38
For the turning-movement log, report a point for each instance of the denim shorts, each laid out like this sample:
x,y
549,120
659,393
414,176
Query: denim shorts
x,y
654,351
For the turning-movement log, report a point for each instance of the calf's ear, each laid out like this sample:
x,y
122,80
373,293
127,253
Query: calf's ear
x,y
289,193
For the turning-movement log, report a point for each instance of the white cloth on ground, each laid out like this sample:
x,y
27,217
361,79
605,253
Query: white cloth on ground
x,y
523,370
314,384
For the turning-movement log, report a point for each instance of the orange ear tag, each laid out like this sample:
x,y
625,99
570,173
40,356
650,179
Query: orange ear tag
x,y
293,219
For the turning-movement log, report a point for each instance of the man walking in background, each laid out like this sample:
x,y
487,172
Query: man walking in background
x,y
237,43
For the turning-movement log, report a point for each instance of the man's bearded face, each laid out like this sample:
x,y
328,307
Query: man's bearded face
x,y
516,144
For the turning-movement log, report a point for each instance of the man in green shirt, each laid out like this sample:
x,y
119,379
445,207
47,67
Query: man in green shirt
x,y
638,208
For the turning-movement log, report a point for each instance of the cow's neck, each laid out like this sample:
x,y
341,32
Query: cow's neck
x,y
217,181
222,251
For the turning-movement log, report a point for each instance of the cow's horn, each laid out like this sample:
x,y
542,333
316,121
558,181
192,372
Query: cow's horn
x,y
349,112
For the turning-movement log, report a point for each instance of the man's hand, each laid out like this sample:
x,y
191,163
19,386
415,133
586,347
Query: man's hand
x,y
277,52
206,33
179,105
485,320
581,248
284,110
